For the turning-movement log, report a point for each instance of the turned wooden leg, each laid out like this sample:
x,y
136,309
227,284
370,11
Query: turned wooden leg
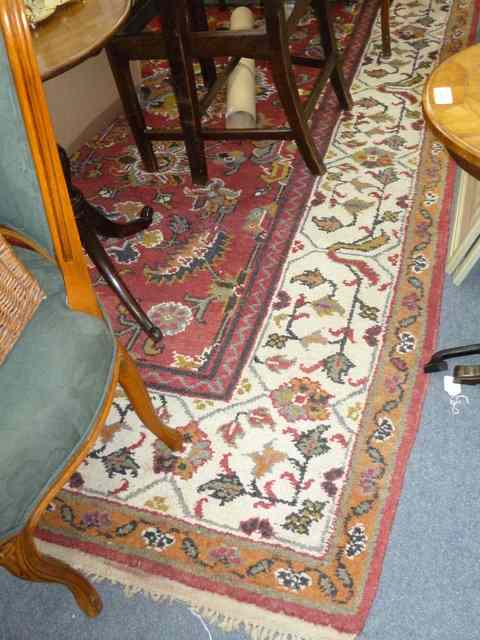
x,y
84,210
136,391
21,557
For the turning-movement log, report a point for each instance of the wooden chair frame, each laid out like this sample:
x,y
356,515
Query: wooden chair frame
x,y
18,553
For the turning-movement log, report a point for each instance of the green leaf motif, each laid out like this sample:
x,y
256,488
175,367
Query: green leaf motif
x,y
375,455
390,405
386,176
225,488
67,514
337,366
276,341
406,322
354,206
327,224
380,117
368,312
263,566
344,577
190,548
300,522
120,462
363,507
328,306
312,443
310,278
415,282
326,585
126,529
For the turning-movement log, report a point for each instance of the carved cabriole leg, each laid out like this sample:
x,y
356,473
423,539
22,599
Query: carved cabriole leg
x,y
21,557
19,554
134,386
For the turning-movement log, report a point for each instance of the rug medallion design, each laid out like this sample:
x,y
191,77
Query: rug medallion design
x,y
278,512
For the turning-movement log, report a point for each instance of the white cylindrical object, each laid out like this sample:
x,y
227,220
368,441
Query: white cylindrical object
x,y
241,112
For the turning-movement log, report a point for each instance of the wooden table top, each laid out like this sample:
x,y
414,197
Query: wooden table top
x,y
75,32
451,105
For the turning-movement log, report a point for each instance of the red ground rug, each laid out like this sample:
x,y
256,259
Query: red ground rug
x,y
207,268
278,512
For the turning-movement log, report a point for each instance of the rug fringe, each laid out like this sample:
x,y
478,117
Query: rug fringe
x,y
227,614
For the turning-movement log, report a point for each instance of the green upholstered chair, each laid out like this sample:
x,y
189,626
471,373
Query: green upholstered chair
x,y
58,382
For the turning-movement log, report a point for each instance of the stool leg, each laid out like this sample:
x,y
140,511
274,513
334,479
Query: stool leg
x,y
175,25
329,45
385,17
128,95
286,86
200,23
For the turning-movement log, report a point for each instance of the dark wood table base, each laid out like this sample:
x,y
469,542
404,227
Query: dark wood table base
x,y
90,222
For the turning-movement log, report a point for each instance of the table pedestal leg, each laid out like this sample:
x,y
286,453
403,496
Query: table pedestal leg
x,y
91,221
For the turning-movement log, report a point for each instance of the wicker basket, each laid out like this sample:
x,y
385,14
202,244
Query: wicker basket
x,y
20,295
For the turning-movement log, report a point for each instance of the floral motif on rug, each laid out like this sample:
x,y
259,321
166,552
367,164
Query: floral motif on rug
x,y
285,495
207,267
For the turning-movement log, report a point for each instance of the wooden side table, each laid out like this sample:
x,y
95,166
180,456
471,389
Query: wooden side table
x,y
75,32
451,105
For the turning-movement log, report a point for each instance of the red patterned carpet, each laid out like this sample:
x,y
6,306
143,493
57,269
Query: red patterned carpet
x,y
206,270
322,300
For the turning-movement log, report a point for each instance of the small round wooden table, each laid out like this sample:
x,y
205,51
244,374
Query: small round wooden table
x,y
75,32
451,105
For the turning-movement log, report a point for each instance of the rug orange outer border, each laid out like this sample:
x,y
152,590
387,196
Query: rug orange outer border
x,y
354,622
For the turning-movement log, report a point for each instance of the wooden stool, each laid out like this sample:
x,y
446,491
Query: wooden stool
x,y
132,42
185,38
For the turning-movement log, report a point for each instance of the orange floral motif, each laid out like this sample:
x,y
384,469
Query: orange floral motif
x,y
267,459
301,399
199,451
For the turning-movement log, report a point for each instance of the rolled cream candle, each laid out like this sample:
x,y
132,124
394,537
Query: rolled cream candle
x,y
241,112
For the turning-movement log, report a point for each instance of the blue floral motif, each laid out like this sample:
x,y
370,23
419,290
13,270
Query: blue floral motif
x,y
125,254
293,581
358,541
157,539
